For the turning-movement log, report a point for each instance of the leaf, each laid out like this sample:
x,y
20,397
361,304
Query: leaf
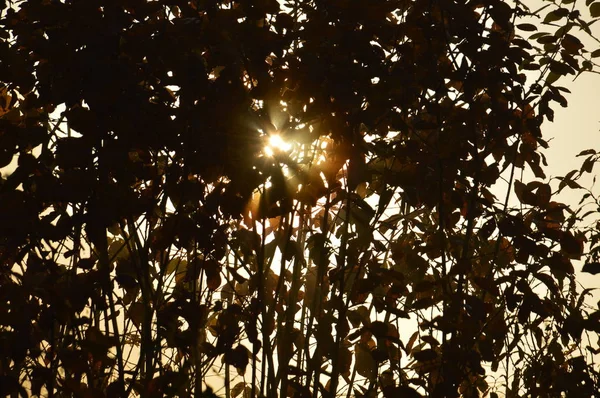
x,y
556,15
571,44
40,376
136,313
208,393
364,362
571,245
501,13
560,265
488,284
588,165
398,312
560,68
595,9
400,391
238,389
86,263
379,329
239,357
551,78
524,193
547,39
543,195
213,274
527,27
549,282
587,151
430,340
411,341
537,35
182,272
424,303
425,355
568,181
591,268
175,264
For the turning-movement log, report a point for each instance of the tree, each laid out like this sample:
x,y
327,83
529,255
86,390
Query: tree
x,y
156,231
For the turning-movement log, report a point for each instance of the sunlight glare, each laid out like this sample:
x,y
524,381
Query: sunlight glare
x,y
276,143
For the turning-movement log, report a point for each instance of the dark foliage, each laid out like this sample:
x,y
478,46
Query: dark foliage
x,y
155,239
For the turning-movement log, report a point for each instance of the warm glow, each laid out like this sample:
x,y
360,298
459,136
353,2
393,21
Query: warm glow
x,y
276,144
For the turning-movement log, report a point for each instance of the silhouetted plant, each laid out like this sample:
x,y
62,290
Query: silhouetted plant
x,y
288,199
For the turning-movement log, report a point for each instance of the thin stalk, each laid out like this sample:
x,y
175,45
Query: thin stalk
x,y
142,266
227,382
282,371
341,311
317,307
273,380
260,298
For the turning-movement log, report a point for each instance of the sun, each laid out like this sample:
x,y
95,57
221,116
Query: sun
x,y
276,144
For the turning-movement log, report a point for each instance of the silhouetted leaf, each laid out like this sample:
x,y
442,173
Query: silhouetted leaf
x,y
571,245
136,313
425,355
238,357
556,15
595,9
527,27
238,389
365,364
401,391
591,268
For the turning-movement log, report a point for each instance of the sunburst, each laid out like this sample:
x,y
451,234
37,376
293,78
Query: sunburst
x,y
276,144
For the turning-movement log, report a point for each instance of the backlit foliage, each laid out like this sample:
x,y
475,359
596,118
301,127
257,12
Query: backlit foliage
x,y
302,198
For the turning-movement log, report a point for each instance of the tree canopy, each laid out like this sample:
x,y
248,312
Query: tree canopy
x,y
302,198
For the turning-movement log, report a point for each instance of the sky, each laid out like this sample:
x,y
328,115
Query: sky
x,y
575,129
